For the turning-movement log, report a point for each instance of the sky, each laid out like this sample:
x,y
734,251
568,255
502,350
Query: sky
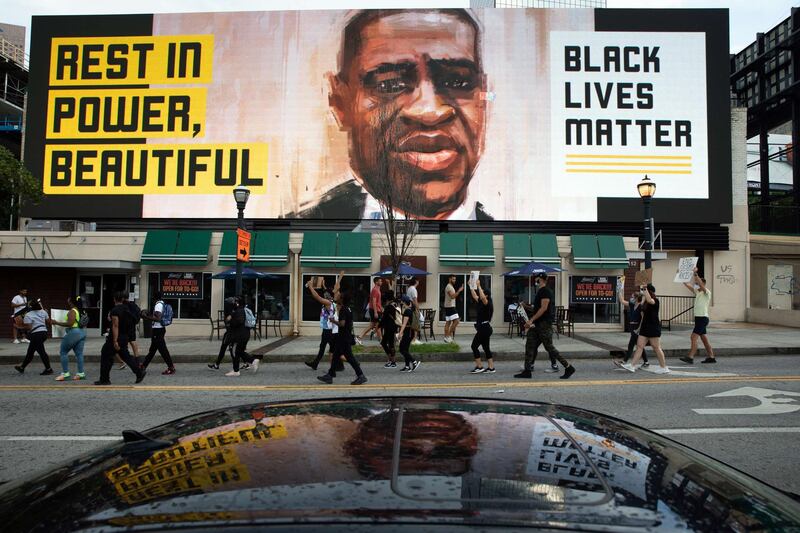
x,y
748,17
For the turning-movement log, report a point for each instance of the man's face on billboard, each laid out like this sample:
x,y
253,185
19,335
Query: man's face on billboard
x,y
411,99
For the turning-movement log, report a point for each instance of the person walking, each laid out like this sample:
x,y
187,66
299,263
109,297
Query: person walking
x,y
483,330
136,315
19,304
374,309
702,299
413,295
35,323
239,337
539,329
326,313
451,315
649,331
343,319
388,325
634,308
158,342
404,335
117,342
73,339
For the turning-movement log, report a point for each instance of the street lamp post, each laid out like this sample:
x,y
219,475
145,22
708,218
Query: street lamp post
x,y
647,189
241,194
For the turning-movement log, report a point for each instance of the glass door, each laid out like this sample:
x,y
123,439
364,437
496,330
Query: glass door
x,y
90,290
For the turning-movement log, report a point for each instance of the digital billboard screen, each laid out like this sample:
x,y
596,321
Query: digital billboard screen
x,y
457,114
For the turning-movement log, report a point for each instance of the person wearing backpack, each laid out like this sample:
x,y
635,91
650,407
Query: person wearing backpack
x,y
239,336
161,318
136,317
74,338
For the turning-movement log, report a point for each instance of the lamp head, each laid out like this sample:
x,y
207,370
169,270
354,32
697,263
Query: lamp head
x,y
646,188
241,195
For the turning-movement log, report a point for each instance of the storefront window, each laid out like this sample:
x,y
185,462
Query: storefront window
x,y
602,289
520,289
465,305
269,294
358,286
188,307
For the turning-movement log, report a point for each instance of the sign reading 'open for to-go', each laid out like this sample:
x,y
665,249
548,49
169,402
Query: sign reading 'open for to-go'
x,y
243,245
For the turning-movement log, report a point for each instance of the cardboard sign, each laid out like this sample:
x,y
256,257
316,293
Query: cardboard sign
x,y
243,246
643,277
686,267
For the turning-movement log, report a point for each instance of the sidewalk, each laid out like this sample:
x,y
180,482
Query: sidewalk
x,y
728,339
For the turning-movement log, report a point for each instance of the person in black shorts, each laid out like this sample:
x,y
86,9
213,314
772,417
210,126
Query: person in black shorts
x,y
649,331
483,330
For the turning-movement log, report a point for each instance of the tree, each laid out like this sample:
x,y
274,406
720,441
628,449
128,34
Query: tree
x,y
17,185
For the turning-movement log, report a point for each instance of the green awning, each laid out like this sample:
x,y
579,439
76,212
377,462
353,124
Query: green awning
x,y
336,250
466,249
585,251
521,248
612,251
172,247
599,251
267,249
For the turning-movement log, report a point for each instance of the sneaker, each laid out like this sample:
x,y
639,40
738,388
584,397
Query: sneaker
x,y
660,370
553,369
62,376
417,341
244,366
140,376
19,368
448,340
255,365
359,380
325,378
168,372
358,341
233,374
123,366
16,341
687,360
102,383
26,340
627,366
415,365
46,372
617,363
524,374
79,376
312,366
390,364
213,366
568,372
646,364
490,371
405,369
477,370
709,360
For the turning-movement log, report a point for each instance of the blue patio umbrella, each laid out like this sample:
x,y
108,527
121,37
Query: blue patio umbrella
x,y
531,269
402,270
247,273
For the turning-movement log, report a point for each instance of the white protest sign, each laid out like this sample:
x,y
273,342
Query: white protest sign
x,y
473,279
59,315
685,272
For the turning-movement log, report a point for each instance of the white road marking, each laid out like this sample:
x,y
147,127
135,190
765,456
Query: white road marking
x,y
673,372
711,431
767,404
59,438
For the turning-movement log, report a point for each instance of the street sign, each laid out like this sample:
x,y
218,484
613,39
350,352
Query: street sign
x,y
243,245
768,403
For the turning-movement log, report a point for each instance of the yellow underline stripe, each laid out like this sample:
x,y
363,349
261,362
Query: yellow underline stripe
x,y
636,164
625,171
607,156
405,386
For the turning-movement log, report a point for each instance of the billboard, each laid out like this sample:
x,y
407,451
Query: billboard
x,y
454,114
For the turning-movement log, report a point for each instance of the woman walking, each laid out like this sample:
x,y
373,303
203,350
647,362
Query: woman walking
x,y
483,330
343,319
405,335
389,326
649,331
36,322
74,339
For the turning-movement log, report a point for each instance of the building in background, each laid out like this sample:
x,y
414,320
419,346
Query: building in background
x,y
13,83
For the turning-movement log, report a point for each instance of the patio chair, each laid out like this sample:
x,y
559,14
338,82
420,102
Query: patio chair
x,y
216,325
429,316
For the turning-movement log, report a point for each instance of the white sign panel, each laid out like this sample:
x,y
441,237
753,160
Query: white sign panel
x,y
686,267
59,315
626,104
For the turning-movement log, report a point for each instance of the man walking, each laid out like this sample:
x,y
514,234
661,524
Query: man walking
x,y
157,341
413,295
374,308
117,342
18,304
451,316
540,331
702,299
239,336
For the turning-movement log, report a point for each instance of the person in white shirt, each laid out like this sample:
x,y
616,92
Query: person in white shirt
x,y
702,299
157,341
18,305
413,295
37,322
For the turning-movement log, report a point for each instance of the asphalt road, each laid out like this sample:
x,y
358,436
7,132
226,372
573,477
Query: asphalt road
x,y
45,422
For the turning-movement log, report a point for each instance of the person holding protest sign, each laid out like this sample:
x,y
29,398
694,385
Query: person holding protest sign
x,y
649,331
702,299
634,308
483,329
326,313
